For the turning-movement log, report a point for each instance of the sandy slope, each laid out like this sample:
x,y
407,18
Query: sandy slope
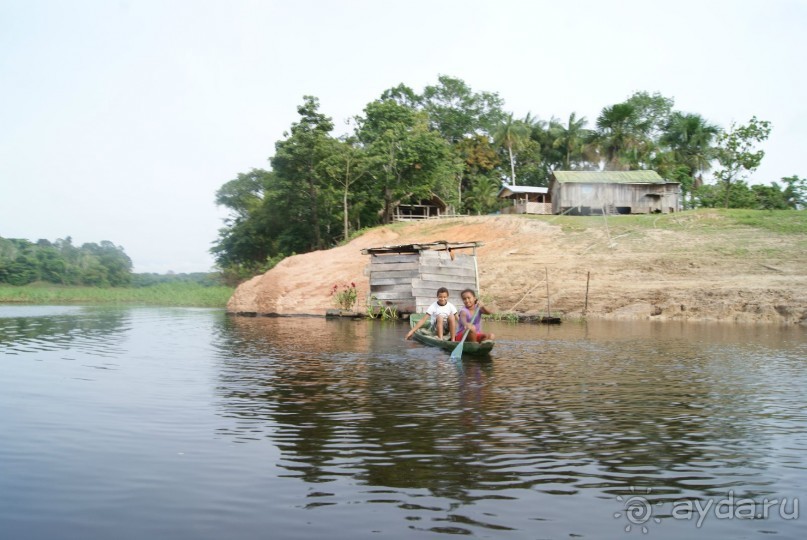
x,y
690,273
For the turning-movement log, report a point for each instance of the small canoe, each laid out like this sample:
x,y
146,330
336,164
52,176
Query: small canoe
x,y
427,337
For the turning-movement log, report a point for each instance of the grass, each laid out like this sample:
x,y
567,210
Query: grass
x,y
164,294
704,219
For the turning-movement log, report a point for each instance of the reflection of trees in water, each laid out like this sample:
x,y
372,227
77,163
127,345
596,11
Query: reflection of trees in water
x,y
95,331
650,414
349,399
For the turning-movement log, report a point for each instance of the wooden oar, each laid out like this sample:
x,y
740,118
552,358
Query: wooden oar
x,y
456,354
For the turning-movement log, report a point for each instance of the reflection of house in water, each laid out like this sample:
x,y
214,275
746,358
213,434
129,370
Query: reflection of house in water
x,y
407,277
612,192
526,199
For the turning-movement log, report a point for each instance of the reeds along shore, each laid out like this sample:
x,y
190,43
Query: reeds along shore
x,y
164,294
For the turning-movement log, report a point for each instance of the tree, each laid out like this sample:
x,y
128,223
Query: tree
x,y
795,192
627,133
690,140
571,140
512,135
345,167
479,160
713,196
249,238
23,262
244,195
109,264
295,164
407,159
456,112
482,198
769,197
737,154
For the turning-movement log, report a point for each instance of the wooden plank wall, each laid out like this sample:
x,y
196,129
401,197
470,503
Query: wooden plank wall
x,y
437,269
633,196
409,281
391,279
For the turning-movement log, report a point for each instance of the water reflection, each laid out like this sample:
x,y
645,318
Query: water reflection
x,y
212,426
35,329
688,412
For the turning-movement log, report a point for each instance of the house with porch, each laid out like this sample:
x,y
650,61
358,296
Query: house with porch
x,y
431,207
525,199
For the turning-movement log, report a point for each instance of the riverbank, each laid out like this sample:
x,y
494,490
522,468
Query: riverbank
x,y
164,294
705,265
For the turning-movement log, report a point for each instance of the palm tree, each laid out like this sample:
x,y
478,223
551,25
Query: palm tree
x,y
512,134
617,137
481,197
570,139
691,140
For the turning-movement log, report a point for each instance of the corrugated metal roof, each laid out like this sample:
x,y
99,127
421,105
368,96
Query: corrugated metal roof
x,y
440,245
508,190
609,177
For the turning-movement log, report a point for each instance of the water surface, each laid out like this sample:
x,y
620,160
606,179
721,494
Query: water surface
x,y
191,424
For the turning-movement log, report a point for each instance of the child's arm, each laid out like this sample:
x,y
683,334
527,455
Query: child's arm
x,y
420,323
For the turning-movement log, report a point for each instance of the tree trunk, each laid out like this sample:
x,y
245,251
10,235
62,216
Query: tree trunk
x,y
345,222
312,193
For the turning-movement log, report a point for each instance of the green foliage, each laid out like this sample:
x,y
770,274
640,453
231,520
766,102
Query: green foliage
x,y
512,135
481,197
100,265
162,294
344,296
738,155
702,219
376,309
407,159
460,145
149,279
795,192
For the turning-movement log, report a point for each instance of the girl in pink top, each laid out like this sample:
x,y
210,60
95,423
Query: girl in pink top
x,y
470,316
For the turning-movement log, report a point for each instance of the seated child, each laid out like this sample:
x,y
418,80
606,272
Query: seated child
x,y
442,316
470,316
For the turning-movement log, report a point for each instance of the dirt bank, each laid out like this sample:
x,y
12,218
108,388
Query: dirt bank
x,y
687,266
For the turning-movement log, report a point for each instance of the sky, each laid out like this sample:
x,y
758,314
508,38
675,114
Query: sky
x,y
120,119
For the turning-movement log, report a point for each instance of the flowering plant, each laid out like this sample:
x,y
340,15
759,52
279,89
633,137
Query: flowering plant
x,y
346,296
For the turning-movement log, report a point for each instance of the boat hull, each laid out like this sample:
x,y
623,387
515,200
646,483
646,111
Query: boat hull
x,y
427,337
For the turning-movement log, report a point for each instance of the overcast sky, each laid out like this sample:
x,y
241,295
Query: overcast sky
x,y
119,120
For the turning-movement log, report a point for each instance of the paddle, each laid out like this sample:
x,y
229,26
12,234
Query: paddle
x,y
456,354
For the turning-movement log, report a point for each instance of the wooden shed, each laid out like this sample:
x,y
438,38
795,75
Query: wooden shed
x,y
612,192
526,199
433,207
407,276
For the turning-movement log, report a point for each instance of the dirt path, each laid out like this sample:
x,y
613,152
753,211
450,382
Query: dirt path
x,y
690,273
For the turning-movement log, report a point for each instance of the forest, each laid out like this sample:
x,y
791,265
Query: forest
x,y
60,262
92,264
320,188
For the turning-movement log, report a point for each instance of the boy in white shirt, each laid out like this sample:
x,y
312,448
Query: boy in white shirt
x,y
442,316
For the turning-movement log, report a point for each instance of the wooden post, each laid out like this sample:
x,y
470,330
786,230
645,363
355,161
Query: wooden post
x,y
588,278
548,310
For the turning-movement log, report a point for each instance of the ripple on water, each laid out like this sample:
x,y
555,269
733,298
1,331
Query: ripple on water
x,y
245,424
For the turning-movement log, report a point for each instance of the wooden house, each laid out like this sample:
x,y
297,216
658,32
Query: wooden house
x,y
612,192
525,199
432,207
407,277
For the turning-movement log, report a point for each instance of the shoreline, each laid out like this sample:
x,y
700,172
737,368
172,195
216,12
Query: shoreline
x,y
699,266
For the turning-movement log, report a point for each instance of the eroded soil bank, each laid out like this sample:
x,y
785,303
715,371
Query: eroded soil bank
x,y
689,266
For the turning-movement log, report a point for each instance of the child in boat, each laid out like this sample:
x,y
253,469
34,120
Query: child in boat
x,y
442,316
470,316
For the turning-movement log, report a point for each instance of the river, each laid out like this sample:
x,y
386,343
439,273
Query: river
x,y
134,423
